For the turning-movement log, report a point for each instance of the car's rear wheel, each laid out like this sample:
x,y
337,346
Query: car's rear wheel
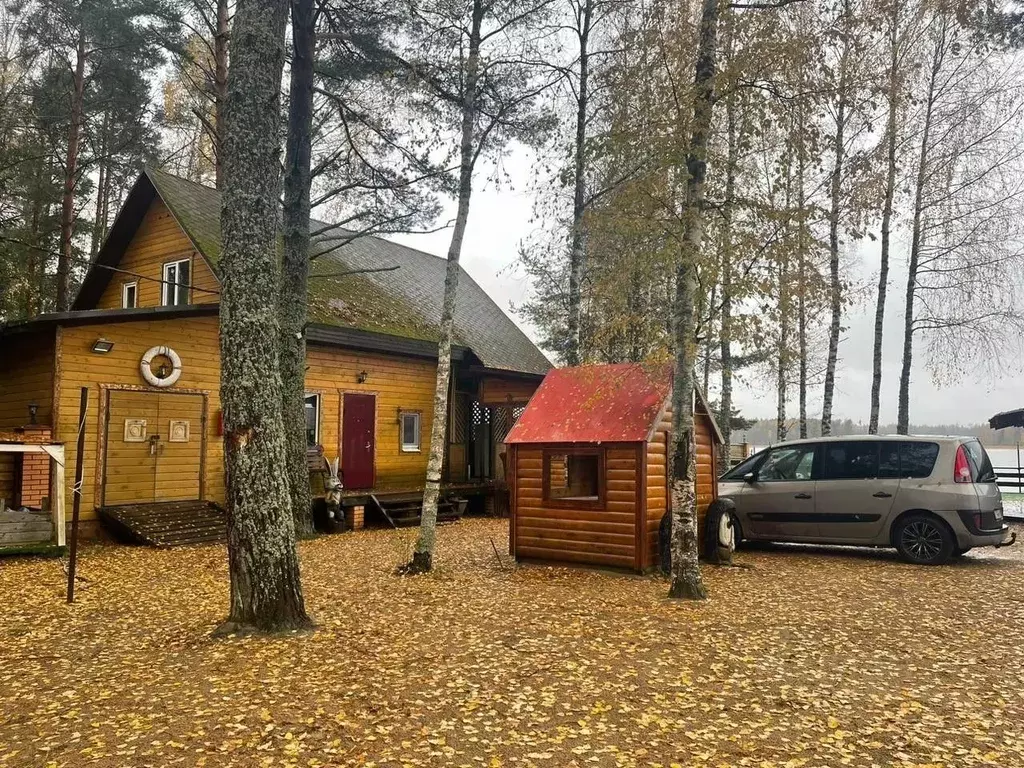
x,y
924,540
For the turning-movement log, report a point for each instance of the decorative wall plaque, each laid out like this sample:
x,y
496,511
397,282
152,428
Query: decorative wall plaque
x,y
178,432
135,430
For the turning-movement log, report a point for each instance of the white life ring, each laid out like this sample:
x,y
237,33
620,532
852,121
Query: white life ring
x,y
146,366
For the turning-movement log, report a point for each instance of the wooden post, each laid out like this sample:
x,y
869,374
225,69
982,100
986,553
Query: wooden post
x,y
76,502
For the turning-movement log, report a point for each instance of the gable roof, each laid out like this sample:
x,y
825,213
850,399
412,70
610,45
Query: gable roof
x,y
405,302
619,402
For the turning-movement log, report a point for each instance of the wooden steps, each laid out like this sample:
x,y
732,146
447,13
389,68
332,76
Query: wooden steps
x,y
405,509
20,528
167,524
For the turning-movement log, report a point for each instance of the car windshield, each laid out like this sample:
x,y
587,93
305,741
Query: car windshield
x,y
744,467
981,465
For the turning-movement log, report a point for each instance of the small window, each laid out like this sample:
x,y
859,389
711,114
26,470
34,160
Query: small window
x,y
788,463
312,409
850,461
129,295
177,275
410,428
917,459
981,465
573,478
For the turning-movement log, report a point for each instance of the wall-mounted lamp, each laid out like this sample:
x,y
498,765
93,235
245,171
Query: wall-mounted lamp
x,y
101,346
361,377
33,409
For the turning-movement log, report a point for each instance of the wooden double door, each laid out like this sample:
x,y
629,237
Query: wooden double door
x,y
154,447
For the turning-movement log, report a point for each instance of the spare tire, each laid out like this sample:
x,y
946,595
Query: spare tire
x,y
719,541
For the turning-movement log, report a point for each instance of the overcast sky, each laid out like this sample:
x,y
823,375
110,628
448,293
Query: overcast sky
x,y
500,219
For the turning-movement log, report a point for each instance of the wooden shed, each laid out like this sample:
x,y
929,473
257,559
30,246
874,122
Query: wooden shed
x,y
588,463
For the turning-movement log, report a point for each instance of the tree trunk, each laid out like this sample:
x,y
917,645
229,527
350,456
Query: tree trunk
x,y
67,213
801,317
220,85
890,190
686,578
295,264
835,212
903,413
266,591
101,184
423,553
577,252
783,357
725,332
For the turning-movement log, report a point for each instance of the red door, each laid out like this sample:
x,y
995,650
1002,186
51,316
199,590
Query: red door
x,y
357,440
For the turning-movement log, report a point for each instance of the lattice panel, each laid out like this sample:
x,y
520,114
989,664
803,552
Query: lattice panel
x,y
481,414
459,419
502,421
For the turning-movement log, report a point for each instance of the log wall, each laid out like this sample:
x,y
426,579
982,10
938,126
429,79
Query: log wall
x,y
544,531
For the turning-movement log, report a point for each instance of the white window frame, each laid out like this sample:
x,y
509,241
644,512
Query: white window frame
x,y
410,447
319,405
134,285
167,286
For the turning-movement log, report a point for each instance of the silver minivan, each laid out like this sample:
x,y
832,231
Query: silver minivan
x,y
932,498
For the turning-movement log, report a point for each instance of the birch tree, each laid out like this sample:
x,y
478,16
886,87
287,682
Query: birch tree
x,y
476,66
966,254
266,591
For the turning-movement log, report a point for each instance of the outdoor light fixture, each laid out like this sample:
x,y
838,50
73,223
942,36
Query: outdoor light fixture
x,y
33,409
101,346
361,377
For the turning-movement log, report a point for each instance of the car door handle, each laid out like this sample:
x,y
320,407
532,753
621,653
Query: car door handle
x,y
802,496
882,495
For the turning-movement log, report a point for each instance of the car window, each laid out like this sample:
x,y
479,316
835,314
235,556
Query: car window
x,y
788,463
917,459
888,459
981,465
850,461
744,467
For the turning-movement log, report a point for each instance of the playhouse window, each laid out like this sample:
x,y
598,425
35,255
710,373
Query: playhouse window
x,y
571,477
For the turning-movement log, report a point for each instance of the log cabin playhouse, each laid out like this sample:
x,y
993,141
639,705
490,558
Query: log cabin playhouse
x,y
588,465
143,337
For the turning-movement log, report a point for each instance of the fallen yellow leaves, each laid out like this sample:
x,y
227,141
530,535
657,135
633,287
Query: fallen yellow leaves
x,y
810,660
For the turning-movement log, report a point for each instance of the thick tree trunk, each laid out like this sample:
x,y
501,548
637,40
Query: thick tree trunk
x,y
266,591
686,578
220,84
577,252
67,212
916,237
835,213
887,206
423,552
295,265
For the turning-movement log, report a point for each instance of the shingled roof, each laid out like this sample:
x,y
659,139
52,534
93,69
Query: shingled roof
x,y
405,302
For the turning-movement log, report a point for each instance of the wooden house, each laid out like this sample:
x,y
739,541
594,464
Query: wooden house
x,y
142,336
588,465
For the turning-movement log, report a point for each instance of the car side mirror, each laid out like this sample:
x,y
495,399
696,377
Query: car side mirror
x,y
750,477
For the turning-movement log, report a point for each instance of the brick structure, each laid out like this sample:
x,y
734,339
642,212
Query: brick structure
x,y
354,517
31,481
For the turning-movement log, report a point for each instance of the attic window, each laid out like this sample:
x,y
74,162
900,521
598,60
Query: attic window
x,y
129,295
177,275
574,478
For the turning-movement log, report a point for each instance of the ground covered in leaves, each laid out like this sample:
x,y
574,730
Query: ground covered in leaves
x,y
810,657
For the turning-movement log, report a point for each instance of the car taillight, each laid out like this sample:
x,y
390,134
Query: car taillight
x,y
961,469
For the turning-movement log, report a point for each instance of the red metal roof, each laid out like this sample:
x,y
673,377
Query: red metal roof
x,y
595,404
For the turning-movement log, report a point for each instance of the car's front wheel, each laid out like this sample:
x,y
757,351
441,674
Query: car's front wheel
x,y
924,540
